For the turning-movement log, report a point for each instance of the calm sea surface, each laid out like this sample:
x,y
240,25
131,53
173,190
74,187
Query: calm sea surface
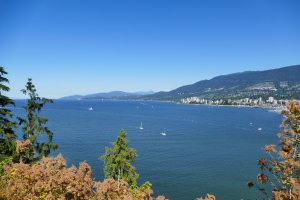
x,y
206,149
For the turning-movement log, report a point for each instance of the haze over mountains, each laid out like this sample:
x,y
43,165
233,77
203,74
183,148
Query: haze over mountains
x,y
108,95
280,83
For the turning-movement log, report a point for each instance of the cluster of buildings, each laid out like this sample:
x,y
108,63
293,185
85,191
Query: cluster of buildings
x,y
259,102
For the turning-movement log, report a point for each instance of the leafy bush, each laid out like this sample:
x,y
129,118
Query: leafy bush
x,y
282,169
50,179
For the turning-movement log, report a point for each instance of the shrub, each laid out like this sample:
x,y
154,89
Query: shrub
x,y
50,179
282,169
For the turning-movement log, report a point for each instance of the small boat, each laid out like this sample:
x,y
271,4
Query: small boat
x,y
141,126
259,129
90,108
163,133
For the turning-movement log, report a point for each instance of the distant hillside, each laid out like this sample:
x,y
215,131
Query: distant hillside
x,y
281,83
73,97
108,95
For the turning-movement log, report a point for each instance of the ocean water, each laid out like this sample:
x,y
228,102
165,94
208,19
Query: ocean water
x,y
206,150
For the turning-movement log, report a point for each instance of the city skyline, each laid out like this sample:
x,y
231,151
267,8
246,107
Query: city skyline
x,y
73,47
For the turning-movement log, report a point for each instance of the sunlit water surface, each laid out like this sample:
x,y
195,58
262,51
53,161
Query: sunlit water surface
x,y
206,149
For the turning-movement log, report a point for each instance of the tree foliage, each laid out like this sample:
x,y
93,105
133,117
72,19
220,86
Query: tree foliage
x,y
50,179
7,125
207,197
282,169
37,176
33,125
118,160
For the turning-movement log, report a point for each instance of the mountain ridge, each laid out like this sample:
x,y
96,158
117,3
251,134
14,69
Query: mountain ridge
x,y
108,95
281,82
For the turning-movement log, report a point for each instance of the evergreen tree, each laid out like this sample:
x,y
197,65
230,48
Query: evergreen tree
x,y
7,126
34,125
118,159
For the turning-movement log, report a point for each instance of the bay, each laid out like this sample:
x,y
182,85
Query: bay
x,y
207,149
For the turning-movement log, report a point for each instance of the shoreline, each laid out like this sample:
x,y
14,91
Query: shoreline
x,y
277,109
270,108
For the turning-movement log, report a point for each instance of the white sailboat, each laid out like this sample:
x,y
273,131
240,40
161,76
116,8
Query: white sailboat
x,y
163,133
141,126
90,108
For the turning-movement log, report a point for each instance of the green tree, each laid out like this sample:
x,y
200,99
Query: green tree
x,y
34,125
7,125
118,161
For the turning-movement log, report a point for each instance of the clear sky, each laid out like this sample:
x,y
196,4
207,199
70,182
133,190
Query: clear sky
x,y
82,47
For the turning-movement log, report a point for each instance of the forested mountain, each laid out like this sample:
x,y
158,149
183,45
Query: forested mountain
x,y
108,95
281,83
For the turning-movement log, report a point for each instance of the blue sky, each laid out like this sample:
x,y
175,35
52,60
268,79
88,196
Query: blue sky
x,y
82,47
